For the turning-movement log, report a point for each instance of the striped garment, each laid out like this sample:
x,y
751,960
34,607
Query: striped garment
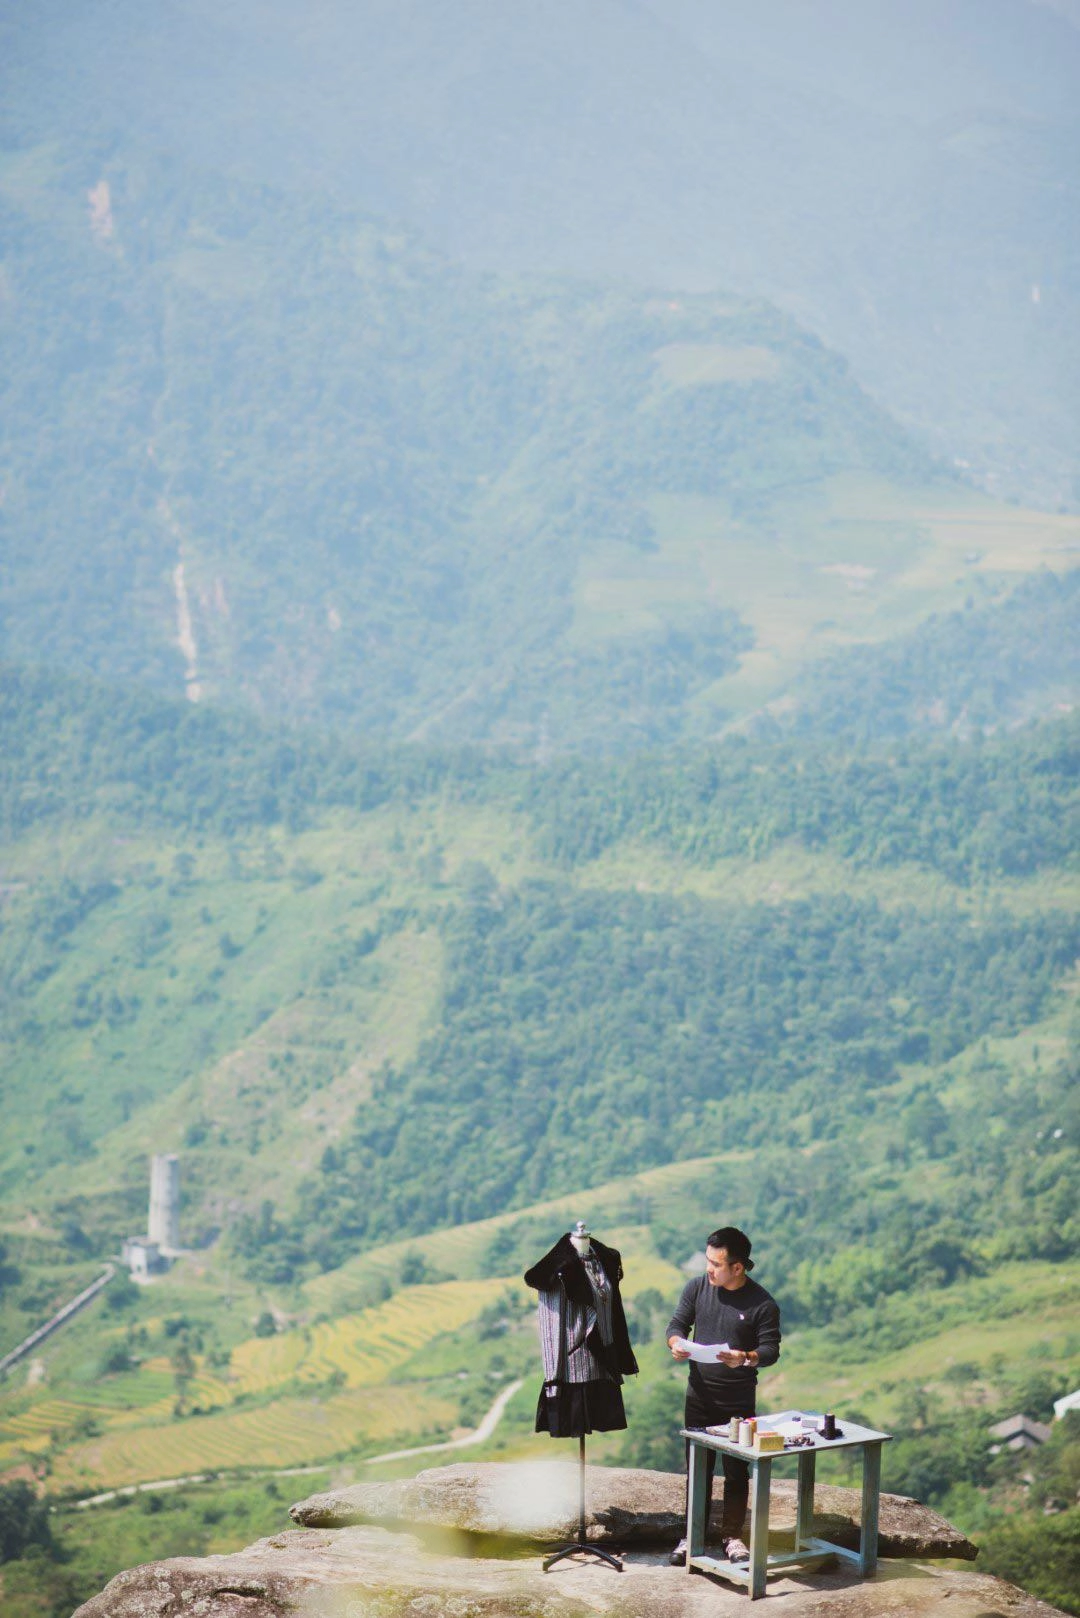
x,y
581,1365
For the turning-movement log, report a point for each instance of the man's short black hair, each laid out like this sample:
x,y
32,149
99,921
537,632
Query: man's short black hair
x,y
736,1243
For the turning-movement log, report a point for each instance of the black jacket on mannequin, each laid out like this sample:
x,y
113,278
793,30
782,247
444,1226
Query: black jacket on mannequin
x,y
584,1340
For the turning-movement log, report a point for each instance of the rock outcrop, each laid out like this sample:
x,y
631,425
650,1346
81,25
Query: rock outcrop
x,y
472,1554
370,1573
538,1502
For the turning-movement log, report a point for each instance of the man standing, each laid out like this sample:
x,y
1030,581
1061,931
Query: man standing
x,y
725,1306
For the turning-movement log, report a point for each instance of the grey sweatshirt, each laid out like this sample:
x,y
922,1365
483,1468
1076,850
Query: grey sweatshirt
x,y
747,1318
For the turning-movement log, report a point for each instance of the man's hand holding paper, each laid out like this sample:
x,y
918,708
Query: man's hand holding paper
x,y
705,1353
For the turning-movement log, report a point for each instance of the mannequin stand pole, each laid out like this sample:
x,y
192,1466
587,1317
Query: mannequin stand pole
x,y
581,1546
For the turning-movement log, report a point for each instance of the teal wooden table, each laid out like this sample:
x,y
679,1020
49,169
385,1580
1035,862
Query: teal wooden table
x,y
809,1550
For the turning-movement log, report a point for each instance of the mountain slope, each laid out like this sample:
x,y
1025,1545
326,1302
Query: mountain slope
x,y
902,180
368,993
257,449
284,458
327,971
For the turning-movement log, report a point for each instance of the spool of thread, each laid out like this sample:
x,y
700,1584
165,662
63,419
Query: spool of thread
x,y
745,1436
830,1425
733,1429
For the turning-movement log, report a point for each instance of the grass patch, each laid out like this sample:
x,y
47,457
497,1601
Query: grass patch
x,y
845,559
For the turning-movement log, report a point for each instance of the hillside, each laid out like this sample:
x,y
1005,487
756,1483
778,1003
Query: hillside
x,y
370,996
321,975
258,447
211,930
539,667
899,179
999,663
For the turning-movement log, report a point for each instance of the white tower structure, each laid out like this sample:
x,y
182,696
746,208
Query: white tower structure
x,y
165,1201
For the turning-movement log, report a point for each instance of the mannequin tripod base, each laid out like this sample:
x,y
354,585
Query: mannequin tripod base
x,y
581,1546
583,1550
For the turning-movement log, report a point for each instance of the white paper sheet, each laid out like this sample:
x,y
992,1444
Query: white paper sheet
x,y
790,1423
705,1353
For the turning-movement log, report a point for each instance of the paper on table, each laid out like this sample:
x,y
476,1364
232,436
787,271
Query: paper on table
x,y
706,1353
790,1423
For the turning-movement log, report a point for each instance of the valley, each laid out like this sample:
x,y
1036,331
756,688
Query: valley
x,y
309,1000
538,680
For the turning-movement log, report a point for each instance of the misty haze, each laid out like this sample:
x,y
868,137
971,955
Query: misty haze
x,y
539,652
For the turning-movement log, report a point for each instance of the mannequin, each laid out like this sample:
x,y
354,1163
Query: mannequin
x,y
583,1337
585,1348
579,1239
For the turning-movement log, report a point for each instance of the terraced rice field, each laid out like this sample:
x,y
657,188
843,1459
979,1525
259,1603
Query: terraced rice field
x,y
288,1433
336,1292
149,1386
265,1362
203,1389
139,1438
51,1415
32,1430
148,1396
142,1438
363,1347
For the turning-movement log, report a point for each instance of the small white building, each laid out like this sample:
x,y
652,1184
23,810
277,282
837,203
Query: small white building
x,y
1067,1402
142,1257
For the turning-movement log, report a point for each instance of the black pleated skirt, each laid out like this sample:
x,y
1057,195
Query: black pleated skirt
x,y
568,1409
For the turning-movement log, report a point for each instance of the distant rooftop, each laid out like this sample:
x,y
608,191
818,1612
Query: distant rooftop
x,y
1020,1432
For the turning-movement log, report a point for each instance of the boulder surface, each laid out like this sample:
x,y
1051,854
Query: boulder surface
x,y
371,1573
537,1502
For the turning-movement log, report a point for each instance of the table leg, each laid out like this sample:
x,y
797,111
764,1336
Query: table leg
x,y
761,1470
695,1504
871,1494
804,1499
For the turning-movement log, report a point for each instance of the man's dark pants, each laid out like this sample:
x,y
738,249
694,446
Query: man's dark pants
x,y
709,1413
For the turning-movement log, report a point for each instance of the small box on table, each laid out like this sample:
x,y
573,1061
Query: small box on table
x,y
768,1443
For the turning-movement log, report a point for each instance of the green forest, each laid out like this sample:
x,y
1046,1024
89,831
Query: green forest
x,y
431,531
672,1014
586,1035
267,448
